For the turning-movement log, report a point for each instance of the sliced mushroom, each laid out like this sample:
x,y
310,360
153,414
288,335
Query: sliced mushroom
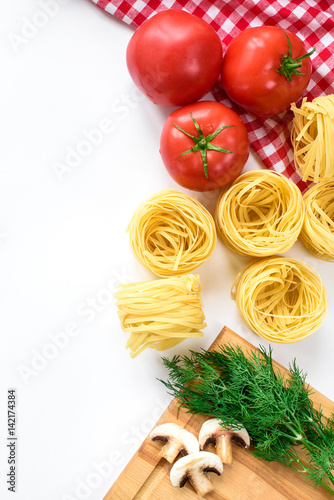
x,y
194,468
213,432
177,439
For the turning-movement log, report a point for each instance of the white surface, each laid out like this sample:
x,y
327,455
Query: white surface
x,y
63,249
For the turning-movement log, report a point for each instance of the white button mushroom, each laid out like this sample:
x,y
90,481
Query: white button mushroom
x,y
213,432
194,468
177,439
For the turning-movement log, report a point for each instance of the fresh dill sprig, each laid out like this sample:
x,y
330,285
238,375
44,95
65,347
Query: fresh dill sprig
x,y
244,388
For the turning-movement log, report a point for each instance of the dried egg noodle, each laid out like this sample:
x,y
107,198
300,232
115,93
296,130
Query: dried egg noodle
x,y
318,229
160,313
312,136
260,214
282,300
171,233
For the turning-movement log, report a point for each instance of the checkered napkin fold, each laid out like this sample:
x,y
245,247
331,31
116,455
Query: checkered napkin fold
x,y
311,20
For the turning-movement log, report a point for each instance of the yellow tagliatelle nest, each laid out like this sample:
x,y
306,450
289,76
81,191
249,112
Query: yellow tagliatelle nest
x,y
312,137
171,233
318,229
260,214
160,313
282,300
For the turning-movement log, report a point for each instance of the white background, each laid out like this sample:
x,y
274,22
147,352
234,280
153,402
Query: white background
x,y
83,405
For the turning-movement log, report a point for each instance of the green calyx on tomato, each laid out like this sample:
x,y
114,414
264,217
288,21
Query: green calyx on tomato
x,y
202,143
288,65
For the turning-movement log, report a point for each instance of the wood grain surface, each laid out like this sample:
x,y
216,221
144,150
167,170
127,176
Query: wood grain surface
x,y
146,477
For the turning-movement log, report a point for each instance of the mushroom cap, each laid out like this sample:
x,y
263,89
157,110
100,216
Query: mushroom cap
x,y
183,440
196,463
212,428
165,430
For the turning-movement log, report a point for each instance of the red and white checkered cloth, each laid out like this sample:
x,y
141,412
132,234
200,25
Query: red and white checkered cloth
x,y
311,20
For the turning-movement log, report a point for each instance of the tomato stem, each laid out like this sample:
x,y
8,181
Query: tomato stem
x,y
288,65
202,143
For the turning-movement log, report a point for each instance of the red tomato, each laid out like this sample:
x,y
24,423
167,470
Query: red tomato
x,y
254,65
174,58
204,145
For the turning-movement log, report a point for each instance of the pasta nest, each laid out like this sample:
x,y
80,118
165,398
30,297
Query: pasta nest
x,y
160,313
171,233
312,138
260,214
282,300
318,229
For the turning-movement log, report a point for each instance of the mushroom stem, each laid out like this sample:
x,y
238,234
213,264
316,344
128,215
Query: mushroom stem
x,y
224,448
170,451
201,483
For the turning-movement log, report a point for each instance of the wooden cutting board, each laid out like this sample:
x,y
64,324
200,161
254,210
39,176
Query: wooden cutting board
x,y
146,477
